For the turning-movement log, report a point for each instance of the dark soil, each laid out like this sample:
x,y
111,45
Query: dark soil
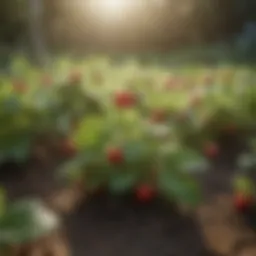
x,y
26,181
110,226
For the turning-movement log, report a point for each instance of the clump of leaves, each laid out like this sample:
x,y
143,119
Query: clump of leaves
x,y
247,161
17,127
117,151
24,221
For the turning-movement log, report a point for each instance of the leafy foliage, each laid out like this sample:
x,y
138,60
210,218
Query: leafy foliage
x,y
25,221
129,125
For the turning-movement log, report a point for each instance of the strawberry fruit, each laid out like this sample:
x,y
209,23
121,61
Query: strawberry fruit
x,y
242,202
145,193
115,155
125,99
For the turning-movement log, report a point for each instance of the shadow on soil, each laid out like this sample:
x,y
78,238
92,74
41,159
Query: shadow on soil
x,y
110,226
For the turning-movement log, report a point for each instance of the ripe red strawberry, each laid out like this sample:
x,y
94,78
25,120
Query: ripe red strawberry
x,y
159,116
145,193
75,77
125,99
68,148
115,155
19,87
242,202
211,149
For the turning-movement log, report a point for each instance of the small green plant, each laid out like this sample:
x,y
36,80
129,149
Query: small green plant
x,y
24,221
124,154
244,187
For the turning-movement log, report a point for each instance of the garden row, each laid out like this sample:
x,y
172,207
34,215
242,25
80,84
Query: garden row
x,y
125,128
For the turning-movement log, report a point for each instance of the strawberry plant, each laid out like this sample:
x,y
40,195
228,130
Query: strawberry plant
x,y
17,129
247,161
105,112
244,187
24,221
117,151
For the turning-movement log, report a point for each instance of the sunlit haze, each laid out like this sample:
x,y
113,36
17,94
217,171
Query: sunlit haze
x,y
111,9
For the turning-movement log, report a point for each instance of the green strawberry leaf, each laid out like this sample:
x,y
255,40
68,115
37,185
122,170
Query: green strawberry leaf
x,y
90,132
192,161
182,189
12,105
137,151
75,169
63,122
243,184
122,181
26,221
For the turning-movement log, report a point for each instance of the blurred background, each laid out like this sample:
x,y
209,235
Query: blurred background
x,y
40,27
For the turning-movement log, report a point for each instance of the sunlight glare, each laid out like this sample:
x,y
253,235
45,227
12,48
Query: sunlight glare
x,y
114,5
110,9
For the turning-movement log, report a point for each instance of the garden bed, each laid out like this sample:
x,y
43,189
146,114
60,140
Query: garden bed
x,y
154,134
110,225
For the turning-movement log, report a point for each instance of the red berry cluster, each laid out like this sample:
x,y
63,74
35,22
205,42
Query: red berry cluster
x,y
144,192
115,155
243,202
125,99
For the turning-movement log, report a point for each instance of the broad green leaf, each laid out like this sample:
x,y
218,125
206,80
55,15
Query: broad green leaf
x,y
26,221
182,189
63,123
90,132
243,184
12,105
192,162
73,170
98,175
137,151
22,150
122,181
